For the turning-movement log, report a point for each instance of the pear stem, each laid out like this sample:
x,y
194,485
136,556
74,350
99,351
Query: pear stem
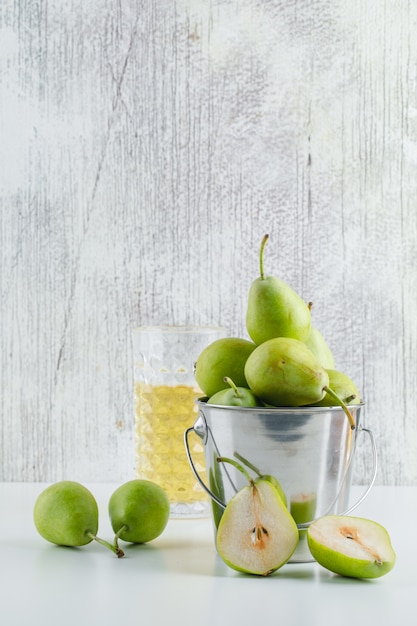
x,y
230,382
261,256
117,537
114,548
224,459
247,463
350,399
340,402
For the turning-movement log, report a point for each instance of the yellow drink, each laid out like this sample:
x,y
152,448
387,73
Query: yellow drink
x,y
162,414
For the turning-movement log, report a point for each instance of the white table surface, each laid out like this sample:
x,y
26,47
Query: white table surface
x,y
180,579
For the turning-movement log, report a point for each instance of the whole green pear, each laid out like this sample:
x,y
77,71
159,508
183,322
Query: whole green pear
x,y
234,396
343,386
139,511
318,346
66,513
284,372
223,357
275,309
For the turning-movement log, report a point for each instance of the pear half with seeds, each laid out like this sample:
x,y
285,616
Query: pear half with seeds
x,y
256,533
351,546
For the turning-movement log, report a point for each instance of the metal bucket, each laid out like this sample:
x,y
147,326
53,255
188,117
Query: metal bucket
x,y
309,450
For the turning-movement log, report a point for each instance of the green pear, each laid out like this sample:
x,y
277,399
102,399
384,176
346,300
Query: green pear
x,y
351,546
284,372
221,358
318,346
343,386
274,309
256,533
66,513
234,396
139,511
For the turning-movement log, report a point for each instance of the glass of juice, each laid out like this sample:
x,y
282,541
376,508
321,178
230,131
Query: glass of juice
x,y
165,391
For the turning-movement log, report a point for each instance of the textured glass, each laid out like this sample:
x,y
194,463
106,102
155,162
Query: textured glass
x,y
165,392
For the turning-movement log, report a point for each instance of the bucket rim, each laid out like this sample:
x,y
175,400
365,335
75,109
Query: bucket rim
x,y
277,409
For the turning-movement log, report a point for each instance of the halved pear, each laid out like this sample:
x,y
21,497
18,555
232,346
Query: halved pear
x,y
256,534
351,546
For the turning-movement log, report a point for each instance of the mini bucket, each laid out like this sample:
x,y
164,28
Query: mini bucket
x,y
309,450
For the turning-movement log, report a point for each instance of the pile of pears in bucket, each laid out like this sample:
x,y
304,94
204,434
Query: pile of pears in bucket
x,y
287,363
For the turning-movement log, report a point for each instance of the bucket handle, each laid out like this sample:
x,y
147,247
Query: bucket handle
x,y
201,428
370,434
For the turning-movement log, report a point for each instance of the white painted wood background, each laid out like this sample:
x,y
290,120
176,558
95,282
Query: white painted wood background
x,y
145,148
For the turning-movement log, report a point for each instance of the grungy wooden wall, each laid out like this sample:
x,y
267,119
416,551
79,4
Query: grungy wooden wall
x,y
146,146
